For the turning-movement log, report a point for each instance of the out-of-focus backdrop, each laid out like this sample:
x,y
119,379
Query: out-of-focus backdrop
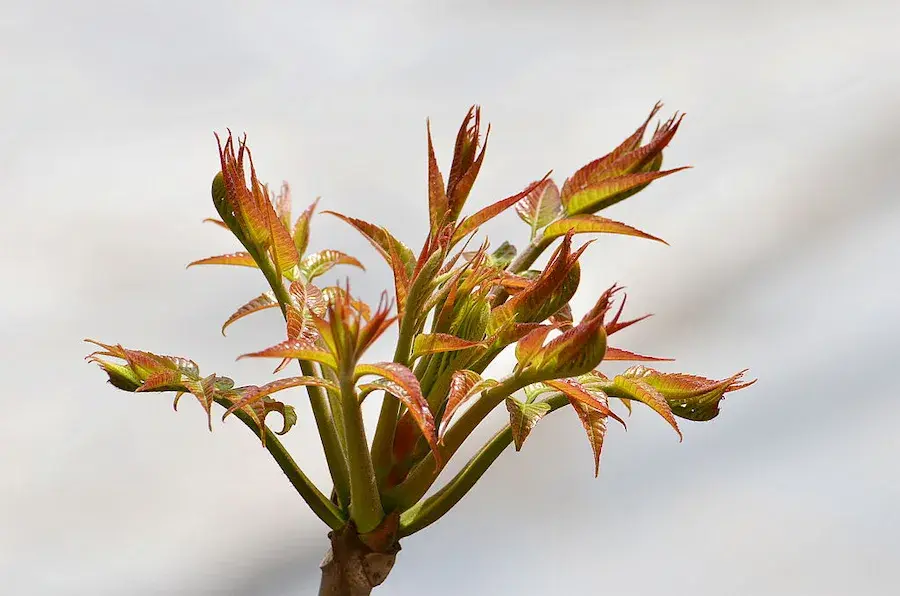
x,y
784,258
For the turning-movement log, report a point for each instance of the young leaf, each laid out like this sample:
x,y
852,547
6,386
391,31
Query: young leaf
x,y
295,349
262,302
438,205
593,224
604,193
382,240
204,391
301,228
283,205
689,396
578,393
433,343
624,355
241,259
408,392
594,423
464,385
281,248
473,222
541,206
465,166
528,347
317,264
638,390
523,417
255,394
218,222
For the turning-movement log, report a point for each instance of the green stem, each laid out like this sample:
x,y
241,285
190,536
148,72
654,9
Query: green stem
x,y
322,411
318,502
425,513
365,501
420,479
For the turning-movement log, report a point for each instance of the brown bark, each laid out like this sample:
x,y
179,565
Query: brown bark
x,y
353,568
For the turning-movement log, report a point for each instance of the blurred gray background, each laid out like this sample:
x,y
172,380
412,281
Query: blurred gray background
x,y
783,258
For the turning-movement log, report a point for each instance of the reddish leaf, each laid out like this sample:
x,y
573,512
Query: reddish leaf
x,y
619,354
523,417
464,385
301,228
473,222
603,193
167,379
615,325
541,206
283,205
242,201
317,264
262,302
241,259
282,248
382,240
432,343
593,224
594,423
218,222
255,394
576,392
466,166
638,390
438,206
530,345
409,393
295,349
204,391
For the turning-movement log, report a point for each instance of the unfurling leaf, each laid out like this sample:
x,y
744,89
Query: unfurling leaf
x,y
464,385
241,259
607,192
638,390
523,417
262,302
541,206
593,224
466,165
408,391
689,396
319,263
433,343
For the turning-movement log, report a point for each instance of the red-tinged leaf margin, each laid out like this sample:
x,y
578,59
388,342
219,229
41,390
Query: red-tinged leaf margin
x,y
601,194
541,206
594,423
433,343
438,204
295,349
620,355
476,220
593,224
411,396
240,259
218,222
640,391
319,263
528,347
264,301
464,385
382,240
301,228
576,392
254,394
523,417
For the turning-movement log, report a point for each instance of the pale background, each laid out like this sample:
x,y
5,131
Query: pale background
x,y
784,259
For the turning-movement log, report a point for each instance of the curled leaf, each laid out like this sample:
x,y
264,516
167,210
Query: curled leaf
x,y
604,193
253,394
301,228
319,263
638,390
464,385
295,349
474,221
540,206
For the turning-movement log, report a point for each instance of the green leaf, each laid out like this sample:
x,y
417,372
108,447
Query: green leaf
x,y
523,417
593,224
433,343
638,390
317,264
301,228
541,206
604,193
